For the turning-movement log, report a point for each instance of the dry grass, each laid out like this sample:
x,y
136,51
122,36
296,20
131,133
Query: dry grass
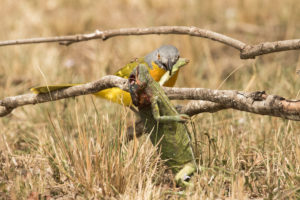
x,y
74,148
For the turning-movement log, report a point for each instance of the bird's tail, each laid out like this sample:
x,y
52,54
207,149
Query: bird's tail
x,y
50,88
115,95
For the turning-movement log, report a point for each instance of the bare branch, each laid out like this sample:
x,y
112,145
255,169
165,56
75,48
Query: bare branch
x,y
106,34
288,109
199,106
255,102
9,103
246,51
250,51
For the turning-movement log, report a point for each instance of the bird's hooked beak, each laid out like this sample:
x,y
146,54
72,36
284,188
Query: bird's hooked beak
x,y
170,66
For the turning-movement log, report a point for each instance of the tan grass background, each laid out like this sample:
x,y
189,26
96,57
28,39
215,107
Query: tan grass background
x,y
74,148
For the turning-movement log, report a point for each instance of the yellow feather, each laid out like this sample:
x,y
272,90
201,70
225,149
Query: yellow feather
x,y
115,95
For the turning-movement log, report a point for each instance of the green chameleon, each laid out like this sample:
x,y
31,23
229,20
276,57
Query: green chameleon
x,y
165,124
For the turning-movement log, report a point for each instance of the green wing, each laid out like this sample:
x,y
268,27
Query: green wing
x,y
125,71
50,88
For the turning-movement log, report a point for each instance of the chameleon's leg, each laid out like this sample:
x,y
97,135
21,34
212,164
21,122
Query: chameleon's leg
x,y
164,119
184,175
139,130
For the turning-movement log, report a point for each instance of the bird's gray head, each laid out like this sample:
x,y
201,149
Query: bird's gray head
x,y
165,57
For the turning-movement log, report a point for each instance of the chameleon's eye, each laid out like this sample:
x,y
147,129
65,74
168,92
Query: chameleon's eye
x,y
132,79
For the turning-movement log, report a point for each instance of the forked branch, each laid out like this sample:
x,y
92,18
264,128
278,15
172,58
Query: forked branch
x,y
246,51
212,100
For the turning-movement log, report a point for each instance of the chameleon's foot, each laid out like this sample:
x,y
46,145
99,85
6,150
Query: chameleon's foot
x,y
181,118
183,177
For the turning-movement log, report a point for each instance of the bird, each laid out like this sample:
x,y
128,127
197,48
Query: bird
x,y
158,62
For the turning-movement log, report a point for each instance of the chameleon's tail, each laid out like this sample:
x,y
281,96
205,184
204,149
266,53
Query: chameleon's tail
x,y
184,175
112,94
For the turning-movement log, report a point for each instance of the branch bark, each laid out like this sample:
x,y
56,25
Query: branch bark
x,y
212,100
200,106
246,51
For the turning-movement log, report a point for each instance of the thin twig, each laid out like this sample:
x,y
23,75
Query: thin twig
x,y
254,102
246,51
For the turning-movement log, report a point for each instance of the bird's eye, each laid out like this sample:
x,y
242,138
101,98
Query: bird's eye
x,y
165,66
158,56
